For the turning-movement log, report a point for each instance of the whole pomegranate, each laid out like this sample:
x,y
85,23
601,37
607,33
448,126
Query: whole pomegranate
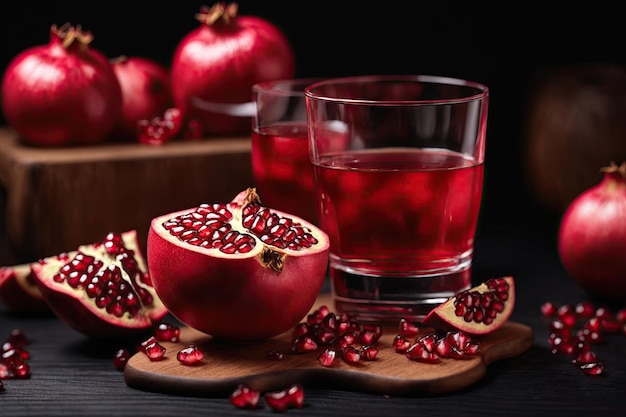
x,y
146,92
101,289
592,236
237,271
215,66
61,93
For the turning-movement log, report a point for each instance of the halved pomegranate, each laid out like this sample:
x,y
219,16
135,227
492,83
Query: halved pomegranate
x,y
237,271
19,291
478,310
102,289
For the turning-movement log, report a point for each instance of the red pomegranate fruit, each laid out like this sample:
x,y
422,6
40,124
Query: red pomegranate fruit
x,y
476,311
237,271
146,92
102,289
215,66
61,93
19,291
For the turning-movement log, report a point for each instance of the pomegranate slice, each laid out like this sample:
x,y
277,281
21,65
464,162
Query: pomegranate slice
x,y
101,289
237,271
478,310
19,291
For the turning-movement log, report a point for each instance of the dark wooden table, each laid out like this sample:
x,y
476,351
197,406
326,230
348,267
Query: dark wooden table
x,y
72,375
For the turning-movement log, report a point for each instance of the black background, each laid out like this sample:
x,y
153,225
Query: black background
x,y
505,45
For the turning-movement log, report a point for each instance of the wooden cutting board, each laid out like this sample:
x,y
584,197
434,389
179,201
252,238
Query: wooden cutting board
x,y
57,199
227,365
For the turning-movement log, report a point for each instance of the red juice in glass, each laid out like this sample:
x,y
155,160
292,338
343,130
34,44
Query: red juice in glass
x,y
282,169
401,223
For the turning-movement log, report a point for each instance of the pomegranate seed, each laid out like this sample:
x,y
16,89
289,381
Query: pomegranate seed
x,y
275,355
303,344
300,330
244,397
585,309
327,357
603,312
594,368
368,337
401,344
443,348
190,355
407,329
142,346
567,314
350,355
167,333
609,325
121,357
620,316
281,401
584,358
296,395
368,352
419,352
17,337
548,309
154,351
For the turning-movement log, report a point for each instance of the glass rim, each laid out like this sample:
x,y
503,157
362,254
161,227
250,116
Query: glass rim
x,y
481,90
282,86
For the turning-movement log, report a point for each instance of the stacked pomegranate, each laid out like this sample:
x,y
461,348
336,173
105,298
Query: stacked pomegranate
x,y
67,92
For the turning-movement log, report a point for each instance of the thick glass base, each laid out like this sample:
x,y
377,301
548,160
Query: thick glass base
x,y
375,298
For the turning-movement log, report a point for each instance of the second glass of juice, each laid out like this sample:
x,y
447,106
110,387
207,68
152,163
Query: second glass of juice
x,y
398,164
280,156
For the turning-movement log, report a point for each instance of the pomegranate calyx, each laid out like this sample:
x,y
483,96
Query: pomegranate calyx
x,y
69,34
273,259
219,11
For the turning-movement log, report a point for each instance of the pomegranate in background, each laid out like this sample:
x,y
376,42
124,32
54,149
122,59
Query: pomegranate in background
x,y
576,122
592,236
61,93
215,66
237,271
146,92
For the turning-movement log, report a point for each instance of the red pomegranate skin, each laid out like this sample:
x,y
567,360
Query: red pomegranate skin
x,y
234,299
54,95
220,62
592,238
146,92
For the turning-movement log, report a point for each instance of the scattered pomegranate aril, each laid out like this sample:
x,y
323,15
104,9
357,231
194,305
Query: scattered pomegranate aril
x,y
281,401
585,326
368,352
401,344
327,357
14,356
244,397
548,309
275,355
166,332
407,329
154,351
595,368
121,357
190,355
350,355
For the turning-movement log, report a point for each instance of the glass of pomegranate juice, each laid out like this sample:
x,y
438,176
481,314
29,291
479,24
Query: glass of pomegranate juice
x,y
398,169
280,155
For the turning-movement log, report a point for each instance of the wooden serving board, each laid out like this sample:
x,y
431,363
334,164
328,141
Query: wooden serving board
x,y
57,199
227,365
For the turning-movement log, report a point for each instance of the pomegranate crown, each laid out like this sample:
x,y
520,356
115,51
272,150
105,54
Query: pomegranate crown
x,y
69,34
219,11
613,168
